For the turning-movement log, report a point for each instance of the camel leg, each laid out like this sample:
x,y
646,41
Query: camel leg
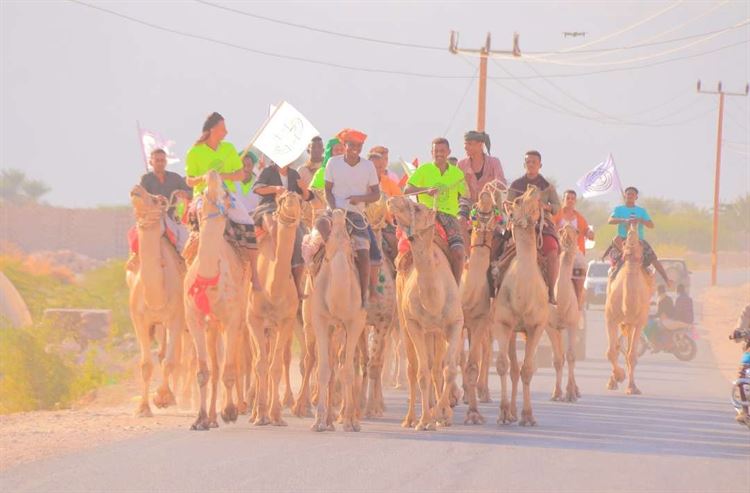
x,y
283,338
471,373
302,407
361,377
229,374
169,364
410,420
502,363
515,375
189,367
213,341
258,334
198,328
399,349
449,364
632,360
324,377
142,331
618,374
463,361
571,392
375,405
288,395
419,341
351,400
527,373
483,385
439,349
558,360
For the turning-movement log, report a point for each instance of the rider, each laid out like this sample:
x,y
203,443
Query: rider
x,y
445,183
569,216
743,325
351,182
273,181
623,216
550,204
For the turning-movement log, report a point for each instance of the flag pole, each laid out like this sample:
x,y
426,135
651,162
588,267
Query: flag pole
x,y
260,130
619,182
140,143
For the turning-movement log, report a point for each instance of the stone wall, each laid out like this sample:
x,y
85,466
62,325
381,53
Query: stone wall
x,y
97,233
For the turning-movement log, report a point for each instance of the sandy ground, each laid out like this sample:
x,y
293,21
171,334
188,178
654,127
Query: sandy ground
x,y
722,306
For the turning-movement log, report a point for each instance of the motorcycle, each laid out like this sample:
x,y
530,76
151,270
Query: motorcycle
x,y
681,342
741,386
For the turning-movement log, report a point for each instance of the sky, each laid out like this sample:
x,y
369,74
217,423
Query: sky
x,y
76,79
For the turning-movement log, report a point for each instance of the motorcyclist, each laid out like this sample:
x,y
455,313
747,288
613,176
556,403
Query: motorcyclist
x,y
742,332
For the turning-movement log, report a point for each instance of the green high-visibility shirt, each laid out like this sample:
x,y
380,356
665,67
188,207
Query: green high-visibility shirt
x,y
452,184
201,159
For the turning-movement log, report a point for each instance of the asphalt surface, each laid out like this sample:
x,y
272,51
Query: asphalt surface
x,y
678,436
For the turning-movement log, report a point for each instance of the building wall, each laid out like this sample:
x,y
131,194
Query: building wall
x,y
97,233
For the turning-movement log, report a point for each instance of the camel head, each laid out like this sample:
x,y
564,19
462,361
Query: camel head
x,y
415,219
497,190
568,239
524,212
376,212
484,219
289,208
147,207
632,250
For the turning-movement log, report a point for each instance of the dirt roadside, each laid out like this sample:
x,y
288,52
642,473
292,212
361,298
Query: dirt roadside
x,y
721,308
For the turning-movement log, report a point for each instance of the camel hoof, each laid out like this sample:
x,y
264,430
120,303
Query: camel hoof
x,y
144,411
571,397
262,421
619,375
242,408
633,390
527,419
164,398
473,417
200,425
557,396
424,425
351,426
578,392
408,422
229,414
612,383
213,423
319,426
278,422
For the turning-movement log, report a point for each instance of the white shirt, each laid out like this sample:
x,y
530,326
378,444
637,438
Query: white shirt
x,y
248,201
350,180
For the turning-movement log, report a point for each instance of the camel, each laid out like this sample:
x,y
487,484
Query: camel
x,y
475,300
156,296
564,317
381,316
429,309
272,311
626,308
215,286
338,321
520,306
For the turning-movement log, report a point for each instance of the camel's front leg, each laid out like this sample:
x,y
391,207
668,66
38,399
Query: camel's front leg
x,y
527,373
449,364
558,360
476,331
412,366
502,334
170,364
483,384
142,331
354,331
302,405
324,376
198,328
515,375
229,375
214,356
618,374
257,332
419,341
632,359
283,338
571,392
377,348
288,400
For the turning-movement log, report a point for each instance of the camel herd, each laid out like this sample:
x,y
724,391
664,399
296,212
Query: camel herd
x,y
210,323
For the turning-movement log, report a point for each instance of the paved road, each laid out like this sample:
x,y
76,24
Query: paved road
x,y
678,436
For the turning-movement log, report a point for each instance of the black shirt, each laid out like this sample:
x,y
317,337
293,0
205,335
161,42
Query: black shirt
x,y
665,307
172,182
271,177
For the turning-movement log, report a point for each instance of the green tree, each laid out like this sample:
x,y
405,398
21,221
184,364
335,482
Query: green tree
x,y
34,189
17,188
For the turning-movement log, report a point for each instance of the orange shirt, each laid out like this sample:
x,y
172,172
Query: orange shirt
x,y
581,225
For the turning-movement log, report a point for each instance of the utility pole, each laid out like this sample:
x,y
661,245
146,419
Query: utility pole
x,y
484,53
717,173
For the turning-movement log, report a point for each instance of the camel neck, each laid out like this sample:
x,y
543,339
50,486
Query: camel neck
x,y
426,269
152,270
525,244
209,246
282,263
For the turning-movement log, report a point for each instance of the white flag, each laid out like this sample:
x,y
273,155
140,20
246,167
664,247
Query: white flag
x,y
285,135
153,140
600,180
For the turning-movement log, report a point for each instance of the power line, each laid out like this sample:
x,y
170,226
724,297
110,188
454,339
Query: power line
x,y
386,71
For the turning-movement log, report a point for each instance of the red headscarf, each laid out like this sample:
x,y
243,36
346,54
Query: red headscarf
x,y
351,135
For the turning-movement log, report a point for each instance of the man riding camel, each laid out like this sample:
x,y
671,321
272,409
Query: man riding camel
x,y
445,183
623,216
569,216
550,205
